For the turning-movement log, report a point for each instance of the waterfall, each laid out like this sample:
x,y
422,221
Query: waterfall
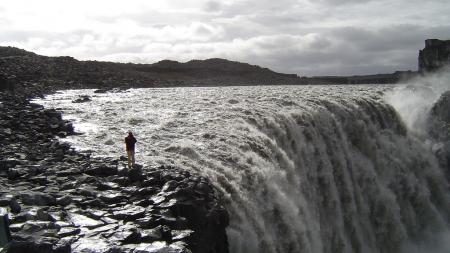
x,y
302,169
338,177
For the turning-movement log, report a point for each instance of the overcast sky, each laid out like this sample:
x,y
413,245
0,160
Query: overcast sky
x,y
306,37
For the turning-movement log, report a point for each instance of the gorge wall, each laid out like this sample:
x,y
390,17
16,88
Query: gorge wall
x,y
435,55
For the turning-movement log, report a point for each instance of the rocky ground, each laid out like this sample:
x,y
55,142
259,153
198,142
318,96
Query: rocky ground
x,y
63,201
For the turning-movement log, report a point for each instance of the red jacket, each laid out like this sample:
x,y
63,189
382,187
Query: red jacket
x,y
130,141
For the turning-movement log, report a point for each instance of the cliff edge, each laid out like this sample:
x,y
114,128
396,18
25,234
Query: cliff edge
x,y
434,56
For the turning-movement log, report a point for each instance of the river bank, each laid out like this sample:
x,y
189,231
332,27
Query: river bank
x,y
63,201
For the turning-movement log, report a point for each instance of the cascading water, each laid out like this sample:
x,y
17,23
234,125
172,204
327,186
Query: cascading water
x,y
301,168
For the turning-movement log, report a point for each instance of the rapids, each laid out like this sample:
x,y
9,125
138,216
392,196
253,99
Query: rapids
x,y
301,168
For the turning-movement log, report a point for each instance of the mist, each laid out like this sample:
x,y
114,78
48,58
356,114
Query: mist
x,y
414,99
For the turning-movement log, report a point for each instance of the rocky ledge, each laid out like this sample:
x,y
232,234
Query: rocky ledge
x,y
60,200
438,126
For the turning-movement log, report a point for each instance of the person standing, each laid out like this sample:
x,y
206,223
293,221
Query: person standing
x,y
130,142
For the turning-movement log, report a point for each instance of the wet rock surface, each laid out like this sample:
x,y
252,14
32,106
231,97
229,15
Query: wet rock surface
x,y
439,129
61,200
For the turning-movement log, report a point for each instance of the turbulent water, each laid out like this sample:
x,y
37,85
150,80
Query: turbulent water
x,y
302,168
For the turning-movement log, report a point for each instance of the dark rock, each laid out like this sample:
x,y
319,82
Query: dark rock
x,y
135,174
36,245
112,197
15,206
151,235
45,216
68,172
110,228
147,222
182,234
37,199
67,128
14,174
165,232
161,247
64,201
101,91
441,109
87,192
94,245
42,180
37,226
102,170
123,172
16,227
435,55
68,231
80,220
170,185
151,181
107,186
62,134
122,181
127,235
438,127
129,213
12,203
147,191
95,214
82,99
143,202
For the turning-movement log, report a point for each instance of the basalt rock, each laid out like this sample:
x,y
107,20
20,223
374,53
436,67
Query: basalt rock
x,y
435,55
441,109
438,128
64,201
439,119
82,99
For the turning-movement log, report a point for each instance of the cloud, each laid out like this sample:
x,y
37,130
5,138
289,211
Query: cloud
x,y
296,36
213,6
342,2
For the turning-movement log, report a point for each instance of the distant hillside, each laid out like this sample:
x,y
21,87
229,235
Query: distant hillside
x,y
13,51
67,72
18,66
365,79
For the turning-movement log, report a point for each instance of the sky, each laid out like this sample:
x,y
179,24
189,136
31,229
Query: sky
x,y
304,37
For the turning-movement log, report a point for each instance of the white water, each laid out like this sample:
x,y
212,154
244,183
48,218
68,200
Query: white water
x,y
302,168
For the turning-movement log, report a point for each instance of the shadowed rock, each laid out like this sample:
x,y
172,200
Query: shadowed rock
x,y
64,201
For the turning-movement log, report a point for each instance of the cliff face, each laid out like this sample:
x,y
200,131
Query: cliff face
x,y
435,55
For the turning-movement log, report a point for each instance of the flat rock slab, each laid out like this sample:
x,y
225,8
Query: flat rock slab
x,y
112,197
129,213
80,220
93,245
37,199
161,247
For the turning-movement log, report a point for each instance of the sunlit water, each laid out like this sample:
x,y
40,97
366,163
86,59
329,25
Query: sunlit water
x,y
301,168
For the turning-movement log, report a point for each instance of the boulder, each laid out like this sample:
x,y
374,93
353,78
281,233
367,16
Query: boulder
x,y
82,99
136,174
101,170
80,220
37,199
129,213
